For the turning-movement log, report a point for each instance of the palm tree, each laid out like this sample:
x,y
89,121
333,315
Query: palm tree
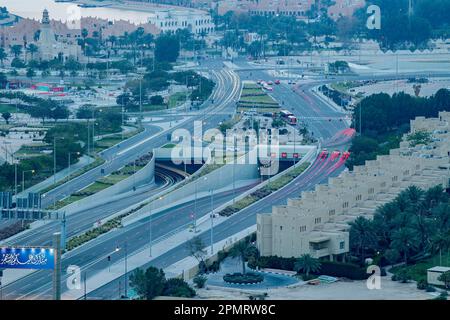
x,y
16,50
6,116
3,56
32,49
84,35
441,214
414,194
440,241
307,264
362,235
239,250
404,240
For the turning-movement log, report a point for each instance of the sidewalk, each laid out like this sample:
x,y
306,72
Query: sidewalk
x,y
142,257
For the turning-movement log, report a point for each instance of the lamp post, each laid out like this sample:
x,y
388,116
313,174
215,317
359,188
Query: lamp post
x,y
23,179
150,227
70,153
126,270
212,222
54,157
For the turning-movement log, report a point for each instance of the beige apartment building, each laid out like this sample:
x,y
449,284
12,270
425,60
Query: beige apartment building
x,y
317,223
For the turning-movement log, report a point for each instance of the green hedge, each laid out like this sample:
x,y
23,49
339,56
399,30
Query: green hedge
x,y
345,270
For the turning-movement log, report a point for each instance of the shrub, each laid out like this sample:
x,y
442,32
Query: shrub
x,y
200,281
442,296
422,285
394,278
346,270
430,289
178,288
403,276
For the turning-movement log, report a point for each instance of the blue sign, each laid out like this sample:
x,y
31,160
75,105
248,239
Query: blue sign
x,y
27,258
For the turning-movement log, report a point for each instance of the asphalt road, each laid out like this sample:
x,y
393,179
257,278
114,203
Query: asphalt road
x,y
227,91
38,285
317,174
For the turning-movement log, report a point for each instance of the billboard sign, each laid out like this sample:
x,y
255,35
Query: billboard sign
x,y
27,258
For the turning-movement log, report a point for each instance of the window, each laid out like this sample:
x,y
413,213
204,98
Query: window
x,y
345,205
281,228
358,197
342,245
302,228
317,220
332,212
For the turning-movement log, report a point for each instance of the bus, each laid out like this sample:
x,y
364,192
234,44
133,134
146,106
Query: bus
x,y
285,114
292,120
288,117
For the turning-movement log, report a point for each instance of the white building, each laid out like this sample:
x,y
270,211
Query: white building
x,y
49,47
317,223
434,273
196,21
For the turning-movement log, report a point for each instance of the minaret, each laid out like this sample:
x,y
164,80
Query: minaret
x,y
45,17
410,8
47,39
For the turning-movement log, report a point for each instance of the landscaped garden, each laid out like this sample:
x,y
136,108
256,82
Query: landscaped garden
x,y
253,97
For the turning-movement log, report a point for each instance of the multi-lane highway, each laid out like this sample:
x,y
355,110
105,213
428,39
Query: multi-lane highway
x,y
226,91
225,95
37,285
318,173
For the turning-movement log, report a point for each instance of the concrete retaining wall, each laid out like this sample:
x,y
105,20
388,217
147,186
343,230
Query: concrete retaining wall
x,y
144,176
215,181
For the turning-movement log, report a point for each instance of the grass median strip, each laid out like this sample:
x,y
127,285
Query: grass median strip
x,y
264,191
104,182
97,162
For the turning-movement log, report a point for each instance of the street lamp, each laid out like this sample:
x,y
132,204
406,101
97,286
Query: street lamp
x,y
150,226
93,128
212,222
54,157
70,153
23,178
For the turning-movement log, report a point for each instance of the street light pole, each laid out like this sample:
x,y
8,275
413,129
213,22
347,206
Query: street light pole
x,y
150,231
195,209
126,270
212,223
85,285
54,159
15,176
23,179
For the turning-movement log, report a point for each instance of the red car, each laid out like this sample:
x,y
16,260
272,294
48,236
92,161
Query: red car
x,y
345,155
270,83
277,81
335,155
324,154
